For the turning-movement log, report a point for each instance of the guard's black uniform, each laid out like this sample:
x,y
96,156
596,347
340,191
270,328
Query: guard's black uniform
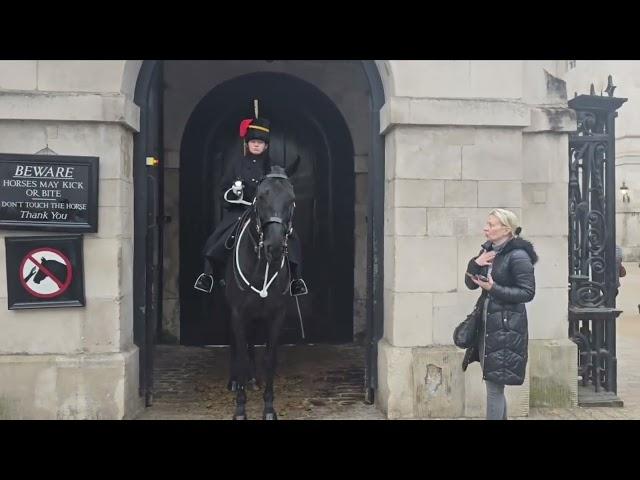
x,y
249,170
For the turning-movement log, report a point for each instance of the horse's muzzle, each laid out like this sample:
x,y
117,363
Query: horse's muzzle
x,y
273,252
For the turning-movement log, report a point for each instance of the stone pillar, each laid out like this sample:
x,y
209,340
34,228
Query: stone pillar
x,y
553,357
448,163
74,362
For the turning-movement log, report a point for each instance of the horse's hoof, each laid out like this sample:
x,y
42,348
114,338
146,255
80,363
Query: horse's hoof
x,y
270,416
232,386
239,417
254,385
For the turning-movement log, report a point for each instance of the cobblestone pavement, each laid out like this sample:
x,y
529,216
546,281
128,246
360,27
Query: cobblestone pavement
x,y
327,382
312,382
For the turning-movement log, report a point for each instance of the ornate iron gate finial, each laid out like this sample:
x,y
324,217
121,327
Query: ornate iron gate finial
x,y
610,86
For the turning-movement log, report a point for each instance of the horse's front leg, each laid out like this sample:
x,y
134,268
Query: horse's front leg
x,y
253,382
275,328
233,382
241,366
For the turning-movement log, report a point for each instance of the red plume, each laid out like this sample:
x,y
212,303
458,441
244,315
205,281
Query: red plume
x,y
244,127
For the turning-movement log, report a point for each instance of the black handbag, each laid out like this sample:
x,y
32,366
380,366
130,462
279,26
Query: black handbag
x,y
466,334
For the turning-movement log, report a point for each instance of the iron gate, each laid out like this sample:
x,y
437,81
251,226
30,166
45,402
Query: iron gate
x,y
592,247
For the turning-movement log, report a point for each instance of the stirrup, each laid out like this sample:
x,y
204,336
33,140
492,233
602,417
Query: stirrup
x,y
304,286
197,284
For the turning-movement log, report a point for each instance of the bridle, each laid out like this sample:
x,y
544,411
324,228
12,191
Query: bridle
x,y
259,245
287,226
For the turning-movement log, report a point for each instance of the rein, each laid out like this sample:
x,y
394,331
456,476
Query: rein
x,y
259,246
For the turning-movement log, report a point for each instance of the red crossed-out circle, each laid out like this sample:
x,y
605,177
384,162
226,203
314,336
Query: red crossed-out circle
x,y
62,286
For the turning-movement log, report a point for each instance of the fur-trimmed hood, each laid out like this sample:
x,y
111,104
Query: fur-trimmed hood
x,y
515,244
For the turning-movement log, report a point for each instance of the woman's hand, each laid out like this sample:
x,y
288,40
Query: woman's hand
x,y
484,285
485,259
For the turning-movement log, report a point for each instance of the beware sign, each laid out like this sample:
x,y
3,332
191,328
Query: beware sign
x,y
53,193
44,272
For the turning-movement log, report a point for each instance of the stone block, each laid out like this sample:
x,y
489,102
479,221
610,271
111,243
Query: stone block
x,y
547,313
39,332
551,270
423,264
502,194
18,74
460,193
496,155
100,387
549,218
395,387
80,75
411,221
419,193
545,158
102,263
438,382
423,153
101,326
412,319
554,380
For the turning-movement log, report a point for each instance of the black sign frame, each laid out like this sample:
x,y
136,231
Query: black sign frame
x,y
93,164
20,250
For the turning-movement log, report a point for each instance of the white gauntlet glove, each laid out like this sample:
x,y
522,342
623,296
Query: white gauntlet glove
x,y
237,188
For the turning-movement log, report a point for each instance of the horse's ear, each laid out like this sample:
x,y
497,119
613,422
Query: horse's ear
x,y
293,168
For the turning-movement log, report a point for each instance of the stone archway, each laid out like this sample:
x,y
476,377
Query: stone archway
x,y
373,209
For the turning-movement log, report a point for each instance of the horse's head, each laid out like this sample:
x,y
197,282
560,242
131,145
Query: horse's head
x,y
274,205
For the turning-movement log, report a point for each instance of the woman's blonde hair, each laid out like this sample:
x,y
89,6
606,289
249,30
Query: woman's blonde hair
x,y
508,219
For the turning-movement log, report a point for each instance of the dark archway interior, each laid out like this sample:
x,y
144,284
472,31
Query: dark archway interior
x,y
304,122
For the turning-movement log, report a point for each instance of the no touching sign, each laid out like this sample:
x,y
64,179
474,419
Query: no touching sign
x,y
44,272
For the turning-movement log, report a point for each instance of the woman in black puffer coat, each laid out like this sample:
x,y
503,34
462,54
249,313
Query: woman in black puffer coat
x,y
507,262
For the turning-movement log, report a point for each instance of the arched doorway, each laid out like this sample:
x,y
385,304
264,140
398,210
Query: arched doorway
x,y
149,214
305,123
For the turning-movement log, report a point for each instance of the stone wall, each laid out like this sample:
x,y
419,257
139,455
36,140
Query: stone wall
x,y
74,362
463,138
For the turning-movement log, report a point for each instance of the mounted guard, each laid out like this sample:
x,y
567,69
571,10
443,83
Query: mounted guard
x,y
238,189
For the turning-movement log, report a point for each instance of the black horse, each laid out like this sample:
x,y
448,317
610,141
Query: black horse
x,y
257,278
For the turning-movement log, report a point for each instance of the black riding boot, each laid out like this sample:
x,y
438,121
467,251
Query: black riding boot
x,y
298,286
